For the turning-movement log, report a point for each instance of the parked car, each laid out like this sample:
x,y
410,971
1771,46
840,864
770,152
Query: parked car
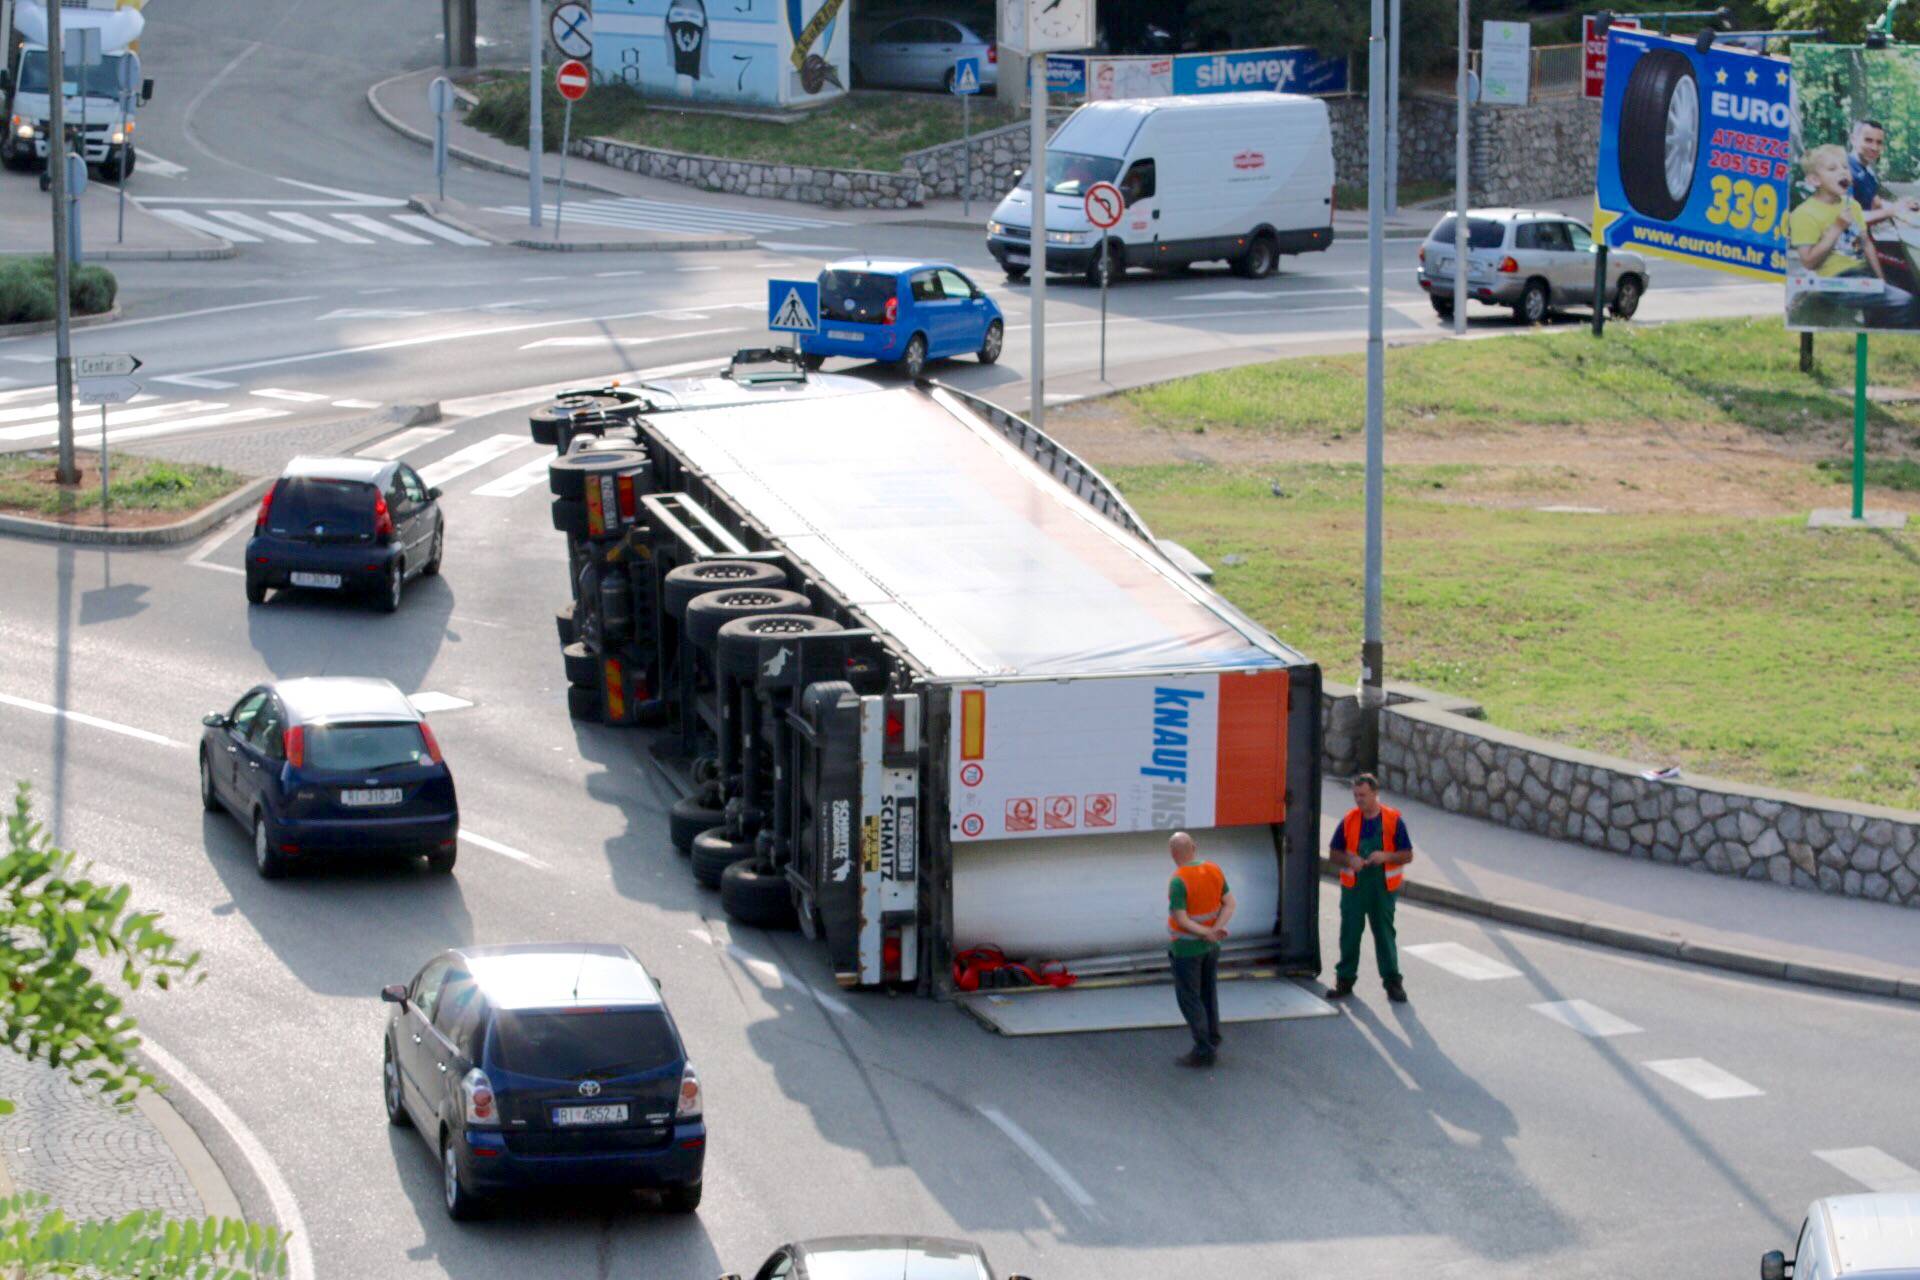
x,y
544,1064
1535,262
326,766
1875,1234
903,312
918,52
877,1258
334,524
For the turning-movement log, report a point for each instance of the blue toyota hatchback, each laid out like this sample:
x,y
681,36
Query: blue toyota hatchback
x,y
327,766
902,312
544,1065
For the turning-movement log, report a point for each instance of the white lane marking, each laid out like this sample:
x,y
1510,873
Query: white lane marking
x,y
185,380
1698,1076
493,402
696,268
379,228
421,222
515,482
81,717
211,543
597,340
319,227
537,279
38,389
406,442
356,404
202,311
156,166
1039,1155
1250,295
194,222
611,275
279,1195
428,702
1462,962
375,313
781,246
281,393
87,417
259,226
351,197
504,850
1587,1019
1873,1168
33,359
172,425
765,971
474,455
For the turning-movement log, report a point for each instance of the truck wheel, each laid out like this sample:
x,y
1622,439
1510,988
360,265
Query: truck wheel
x,y
688,818
563,623
583,668
10,154
1660,134
752,892
706,614
739,640
914,362
585,703
714,852
570,516
1258,261
567,475
689,580
990,345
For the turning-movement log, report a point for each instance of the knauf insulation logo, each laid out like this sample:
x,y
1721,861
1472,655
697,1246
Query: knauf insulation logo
x,y
1170,754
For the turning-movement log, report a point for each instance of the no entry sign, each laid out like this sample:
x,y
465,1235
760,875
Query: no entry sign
x,y
1104,205
572,80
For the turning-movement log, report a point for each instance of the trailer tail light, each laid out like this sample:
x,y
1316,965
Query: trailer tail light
x,y
432,744
896,731
890,955
627,499
973,724
1508,266
616,691
296,745
382,519
993,54
266,505
891,312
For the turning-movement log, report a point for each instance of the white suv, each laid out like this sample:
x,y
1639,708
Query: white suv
x,y
1533,261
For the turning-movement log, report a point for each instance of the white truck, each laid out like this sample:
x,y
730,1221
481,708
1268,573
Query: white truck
x,y
97,117
928,681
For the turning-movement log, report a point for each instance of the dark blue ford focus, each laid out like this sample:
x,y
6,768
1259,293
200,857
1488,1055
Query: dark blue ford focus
x,y
330,766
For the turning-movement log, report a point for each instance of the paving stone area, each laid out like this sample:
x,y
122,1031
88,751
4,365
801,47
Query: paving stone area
x,y
258,451
94,1161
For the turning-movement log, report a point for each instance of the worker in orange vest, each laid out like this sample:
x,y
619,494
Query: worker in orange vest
x,y
1199,905
1371,849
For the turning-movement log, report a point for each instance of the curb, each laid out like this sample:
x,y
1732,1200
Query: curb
x,y
431,207
30,328
1665,946
385,422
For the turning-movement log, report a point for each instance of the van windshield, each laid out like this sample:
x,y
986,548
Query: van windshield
x,y
1070,174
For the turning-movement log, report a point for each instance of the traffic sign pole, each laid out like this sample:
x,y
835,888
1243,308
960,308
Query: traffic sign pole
x,y
966,154
560,196
65,472
1037,245
1105,207
572,80
536,138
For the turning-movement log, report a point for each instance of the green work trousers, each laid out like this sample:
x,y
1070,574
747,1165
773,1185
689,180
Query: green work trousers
x,y
1368,902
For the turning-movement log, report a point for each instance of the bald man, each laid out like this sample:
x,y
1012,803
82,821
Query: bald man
x,y
1199,905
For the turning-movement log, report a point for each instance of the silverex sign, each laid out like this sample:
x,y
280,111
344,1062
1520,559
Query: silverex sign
x,y
1284,70
1695,153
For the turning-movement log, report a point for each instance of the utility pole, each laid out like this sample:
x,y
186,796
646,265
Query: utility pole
x,y
1393,108
66,472
1372,690
535,136
1462,108
1037,246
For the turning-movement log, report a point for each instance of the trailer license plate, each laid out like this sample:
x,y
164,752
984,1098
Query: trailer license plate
x,y
371,796
316,580
609,1114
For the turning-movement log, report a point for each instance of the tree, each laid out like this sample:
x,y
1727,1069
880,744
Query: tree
x,y
53,1008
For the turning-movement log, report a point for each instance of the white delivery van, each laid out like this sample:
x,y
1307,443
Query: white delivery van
x,y
1243,177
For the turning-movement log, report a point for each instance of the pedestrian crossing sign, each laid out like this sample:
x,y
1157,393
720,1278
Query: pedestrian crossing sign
x,y
793,306
966,76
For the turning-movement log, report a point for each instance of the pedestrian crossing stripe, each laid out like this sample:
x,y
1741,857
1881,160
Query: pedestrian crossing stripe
x,y
793,315
293,226
670,215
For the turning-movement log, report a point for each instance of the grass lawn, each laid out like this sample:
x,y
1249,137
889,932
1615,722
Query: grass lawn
x,y
142,490
861,131
1734,643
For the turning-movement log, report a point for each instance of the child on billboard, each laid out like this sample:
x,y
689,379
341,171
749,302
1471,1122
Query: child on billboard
x,y
1835,279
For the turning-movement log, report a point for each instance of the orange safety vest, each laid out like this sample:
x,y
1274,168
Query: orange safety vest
x,y
1206,888
1389,828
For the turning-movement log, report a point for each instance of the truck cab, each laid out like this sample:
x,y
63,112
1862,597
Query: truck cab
x,y
102,97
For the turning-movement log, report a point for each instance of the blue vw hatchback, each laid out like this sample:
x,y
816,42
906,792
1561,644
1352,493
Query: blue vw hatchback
x,y
902,312
541,1065
330,765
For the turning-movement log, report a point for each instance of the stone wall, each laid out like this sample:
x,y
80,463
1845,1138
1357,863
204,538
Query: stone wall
x,y
1515,155
856,188
1808,842
996,154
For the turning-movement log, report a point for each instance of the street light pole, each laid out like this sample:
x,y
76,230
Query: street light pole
x,y
1393,107
65,472
1372,691
1462,107
1037,246
535,139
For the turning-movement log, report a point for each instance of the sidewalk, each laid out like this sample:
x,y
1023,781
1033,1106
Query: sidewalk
x,y
1753,927
559,234
26,225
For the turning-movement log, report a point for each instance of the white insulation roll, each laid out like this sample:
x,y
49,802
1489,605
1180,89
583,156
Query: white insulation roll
x,y
1072,897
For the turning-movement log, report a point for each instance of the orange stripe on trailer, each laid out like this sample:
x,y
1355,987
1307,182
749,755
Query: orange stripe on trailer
x,y
596,508
973,724
616,690
1250,773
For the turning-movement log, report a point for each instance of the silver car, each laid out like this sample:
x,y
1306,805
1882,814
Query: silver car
x,y
1535,262
919,53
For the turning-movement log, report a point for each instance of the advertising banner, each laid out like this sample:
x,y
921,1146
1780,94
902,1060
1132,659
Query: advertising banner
x,y
1288,69
1034,759
1695,154
1506,62
1594,52
1066,75
763,53
1853,234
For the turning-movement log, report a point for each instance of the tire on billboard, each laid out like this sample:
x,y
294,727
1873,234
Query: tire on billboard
x,y
1660,134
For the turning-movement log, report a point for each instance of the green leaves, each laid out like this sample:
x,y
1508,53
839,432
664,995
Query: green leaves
x,y
37,1240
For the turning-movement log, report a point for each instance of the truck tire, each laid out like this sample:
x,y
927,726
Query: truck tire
x,y
689,580
706,614
563,623
739,641
752,892
713,852
1259,260
583,668
1660,120
688,817
557,420
585,702
567,474
570,516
